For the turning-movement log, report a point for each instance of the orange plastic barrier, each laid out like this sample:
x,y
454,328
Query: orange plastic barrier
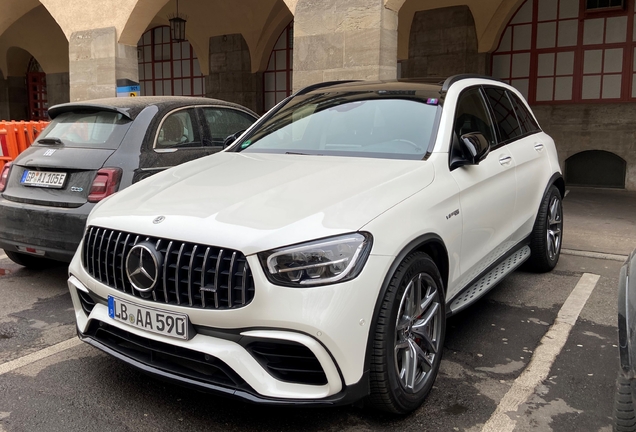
x,y
16,137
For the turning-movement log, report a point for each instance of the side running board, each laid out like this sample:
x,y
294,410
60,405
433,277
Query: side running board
x,y
484,284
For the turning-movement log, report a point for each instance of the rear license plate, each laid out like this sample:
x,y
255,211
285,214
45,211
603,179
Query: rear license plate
x,y
150,319
44,179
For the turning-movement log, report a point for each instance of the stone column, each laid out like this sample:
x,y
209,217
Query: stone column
x,y
97,61
344,39
18,97
231,76
57,88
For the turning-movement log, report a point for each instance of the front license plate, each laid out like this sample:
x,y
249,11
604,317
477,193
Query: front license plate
x,y
44,179
150,319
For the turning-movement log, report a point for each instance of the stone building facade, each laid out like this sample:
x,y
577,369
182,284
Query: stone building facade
x,y
574,60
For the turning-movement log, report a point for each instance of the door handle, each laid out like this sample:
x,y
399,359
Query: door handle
x,y
538,146
505,160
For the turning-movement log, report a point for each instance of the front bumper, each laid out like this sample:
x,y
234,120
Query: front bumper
x,y
55,231
331,321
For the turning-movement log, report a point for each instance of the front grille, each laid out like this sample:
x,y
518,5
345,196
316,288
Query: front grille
x,y
191,275
289,361
169,358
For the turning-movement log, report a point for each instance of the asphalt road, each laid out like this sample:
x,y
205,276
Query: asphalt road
x,y
487,348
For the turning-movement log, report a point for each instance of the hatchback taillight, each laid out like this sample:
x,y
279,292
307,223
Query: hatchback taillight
x,y
4,176
106,183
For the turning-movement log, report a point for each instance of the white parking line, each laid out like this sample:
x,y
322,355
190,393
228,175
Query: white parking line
x,y
544,356
38,355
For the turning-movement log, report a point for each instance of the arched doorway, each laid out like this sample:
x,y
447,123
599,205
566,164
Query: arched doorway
x,y
277,79
596,168
168,68
36,87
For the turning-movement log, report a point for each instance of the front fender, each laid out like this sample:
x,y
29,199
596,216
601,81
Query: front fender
x,y
627,316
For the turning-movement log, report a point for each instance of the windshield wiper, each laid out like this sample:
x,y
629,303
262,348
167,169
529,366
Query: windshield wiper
x,y
303,154
50,141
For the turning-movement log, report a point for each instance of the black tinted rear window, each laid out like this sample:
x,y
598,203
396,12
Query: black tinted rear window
x,y
505,116
94,129
528,123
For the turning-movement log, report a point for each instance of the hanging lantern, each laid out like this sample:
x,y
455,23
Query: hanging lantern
x,y
178,26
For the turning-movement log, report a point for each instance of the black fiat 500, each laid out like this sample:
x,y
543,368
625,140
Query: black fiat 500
x,y
90,151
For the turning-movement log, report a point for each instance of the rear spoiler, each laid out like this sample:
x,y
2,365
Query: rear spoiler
x,y
73,107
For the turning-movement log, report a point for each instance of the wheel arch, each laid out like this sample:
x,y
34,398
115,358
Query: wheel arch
x,y
431,244
557,180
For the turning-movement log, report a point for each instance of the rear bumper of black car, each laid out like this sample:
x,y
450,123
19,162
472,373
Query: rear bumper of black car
x,y
54,231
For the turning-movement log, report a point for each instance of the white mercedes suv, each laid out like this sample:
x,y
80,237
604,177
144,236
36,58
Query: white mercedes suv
x,y
316,259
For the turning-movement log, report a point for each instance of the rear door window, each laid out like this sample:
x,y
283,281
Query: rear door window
x,y
88,129
526,119
223,122
179,129
506,121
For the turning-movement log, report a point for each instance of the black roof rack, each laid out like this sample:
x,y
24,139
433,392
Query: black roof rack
x,y
455,78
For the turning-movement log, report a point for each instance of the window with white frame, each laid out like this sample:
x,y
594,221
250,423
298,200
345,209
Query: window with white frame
x,y
555,51
277,79
168,68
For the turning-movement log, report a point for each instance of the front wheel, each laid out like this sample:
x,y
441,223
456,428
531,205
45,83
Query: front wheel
x,y
547,234
409,336
624,414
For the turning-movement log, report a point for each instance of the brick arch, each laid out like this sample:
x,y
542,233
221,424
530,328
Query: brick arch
x,y
140,17
596,168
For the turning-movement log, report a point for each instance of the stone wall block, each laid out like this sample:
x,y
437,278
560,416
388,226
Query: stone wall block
x,y
362,47
212,83
218,62
57,88
235,61
319,52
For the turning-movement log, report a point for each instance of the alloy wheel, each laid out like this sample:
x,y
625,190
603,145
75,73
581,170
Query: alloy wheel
x,y
554,231
418,332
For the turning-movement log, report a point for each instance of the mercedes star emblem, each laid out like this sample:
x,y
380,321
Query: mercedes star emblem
x,y
159,219
142,267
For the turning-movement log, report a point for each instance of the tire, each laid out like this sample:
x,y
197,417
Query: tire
x,y
547,234
29,261
399,385
624,415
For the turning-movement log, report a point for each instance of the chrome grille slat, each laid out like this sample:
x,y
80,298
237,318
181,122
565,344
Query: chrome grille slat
x,y
123,263
115,260
177,273
243,282
165,272
230,276
204,271
110,238
190,268
99,255
104,258
219,260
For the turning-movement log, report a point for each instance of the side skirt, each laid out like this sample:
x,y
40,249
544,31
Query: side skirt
x,y
487,281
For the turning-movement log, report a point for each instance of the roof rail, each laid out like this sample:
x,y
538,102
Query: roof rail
x,y
316,86
455,78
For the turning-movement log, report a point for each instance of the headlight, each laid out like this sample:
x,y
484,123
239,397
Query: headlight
x,y
321,262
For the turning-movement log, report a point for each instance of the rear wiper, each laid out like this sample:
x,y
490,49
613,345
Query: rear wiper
x,y
303,154
50,141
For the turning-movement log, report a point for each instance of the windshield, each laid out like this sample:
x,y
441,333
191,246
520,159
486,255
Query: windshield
x,y
97,129
358,124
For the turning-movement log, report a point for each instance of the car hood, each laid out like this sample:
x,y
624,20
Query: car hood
x,y
255,202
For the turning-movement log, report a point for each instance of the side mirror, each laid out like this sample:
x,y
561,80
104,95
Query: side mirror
x,y
230,139
475,147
